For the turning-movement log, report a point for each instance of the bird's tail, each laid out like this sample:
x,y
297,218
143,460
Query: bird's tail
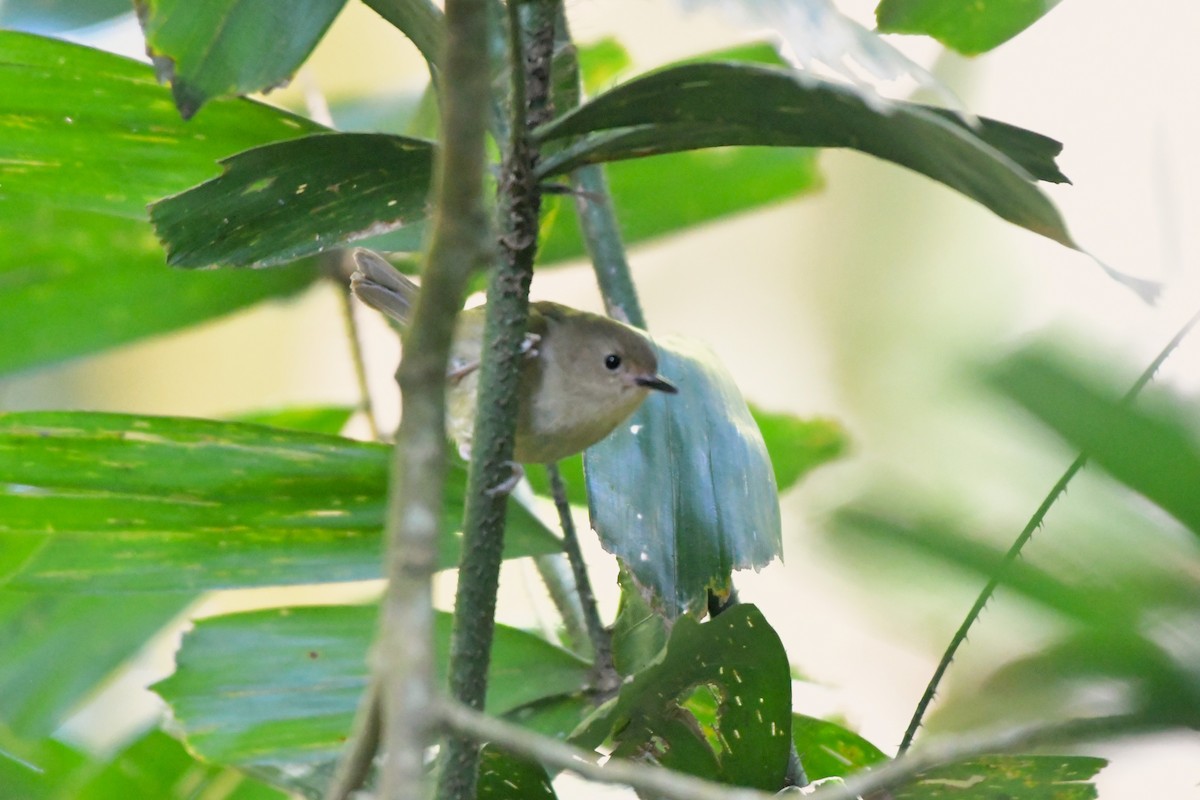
x,y
378,284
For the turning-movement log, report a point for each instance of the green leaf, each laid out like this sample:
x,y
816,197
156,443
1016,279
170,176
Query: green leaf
x,y
51,16
718,104
722,512
153,766
827,749
1154,452
109,502
280,687
969,28
72,111
503,776
717,704
556,716
328,420
571,470
39,770
797,446
991,777
58,647
639,633
600,63
230,47
659,196
157,766
420,20
282,201
76,282
80,270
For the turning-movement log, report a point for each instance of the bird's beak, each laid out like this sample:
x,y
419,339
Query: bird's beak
x,y
655,382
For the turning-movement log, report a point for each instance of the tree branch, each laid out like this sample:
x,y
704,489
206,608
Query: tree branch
x,y
403,659
505,323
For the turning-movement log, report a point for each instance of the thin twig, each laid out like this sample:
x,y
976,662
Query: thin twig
x,y
604,675
556,575
354,337
661,782
355,763
904,769
1035,522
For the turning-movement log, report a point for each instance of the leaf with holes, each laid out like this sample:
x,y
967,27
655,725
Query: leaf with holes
x,y
716,705
112,503
969,28
719,511
503,776
230,47
279,202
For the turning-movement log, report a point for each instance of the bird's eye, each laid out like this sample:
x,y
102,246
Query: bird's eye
x,y
612,361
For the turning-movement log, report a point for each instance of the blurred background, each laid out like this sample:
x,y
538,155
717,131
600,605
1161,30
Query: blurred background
x,y
874,301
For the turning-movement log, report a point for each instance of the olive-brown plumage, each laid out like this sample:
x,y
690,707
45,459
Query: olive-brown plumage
x,y
584,374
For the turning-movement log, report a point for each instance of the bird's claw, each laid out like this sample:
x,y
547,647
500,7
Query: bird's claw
x,y
508,484
529,346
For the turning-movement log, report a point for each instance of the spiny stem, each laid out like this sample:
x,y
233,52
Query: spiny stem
x,y
1035,522
505,323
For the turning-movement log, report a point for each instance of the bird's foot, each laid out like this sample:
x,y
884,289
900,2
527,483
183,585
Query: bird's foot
x,y
508,484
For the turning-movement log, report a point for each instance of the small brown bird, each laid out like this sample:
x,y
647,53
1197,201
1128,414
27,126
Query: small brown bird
x,y
584,373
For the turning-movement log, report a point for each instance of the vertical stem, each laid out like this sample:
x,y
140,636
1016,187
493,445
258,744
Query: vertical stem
x,y
495,422
559,580
604,673
403,662
1035,522
602,236
354,337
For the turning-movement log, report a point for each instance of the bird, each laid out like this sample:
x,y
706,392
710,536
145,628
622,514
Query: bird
x,y
583,374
